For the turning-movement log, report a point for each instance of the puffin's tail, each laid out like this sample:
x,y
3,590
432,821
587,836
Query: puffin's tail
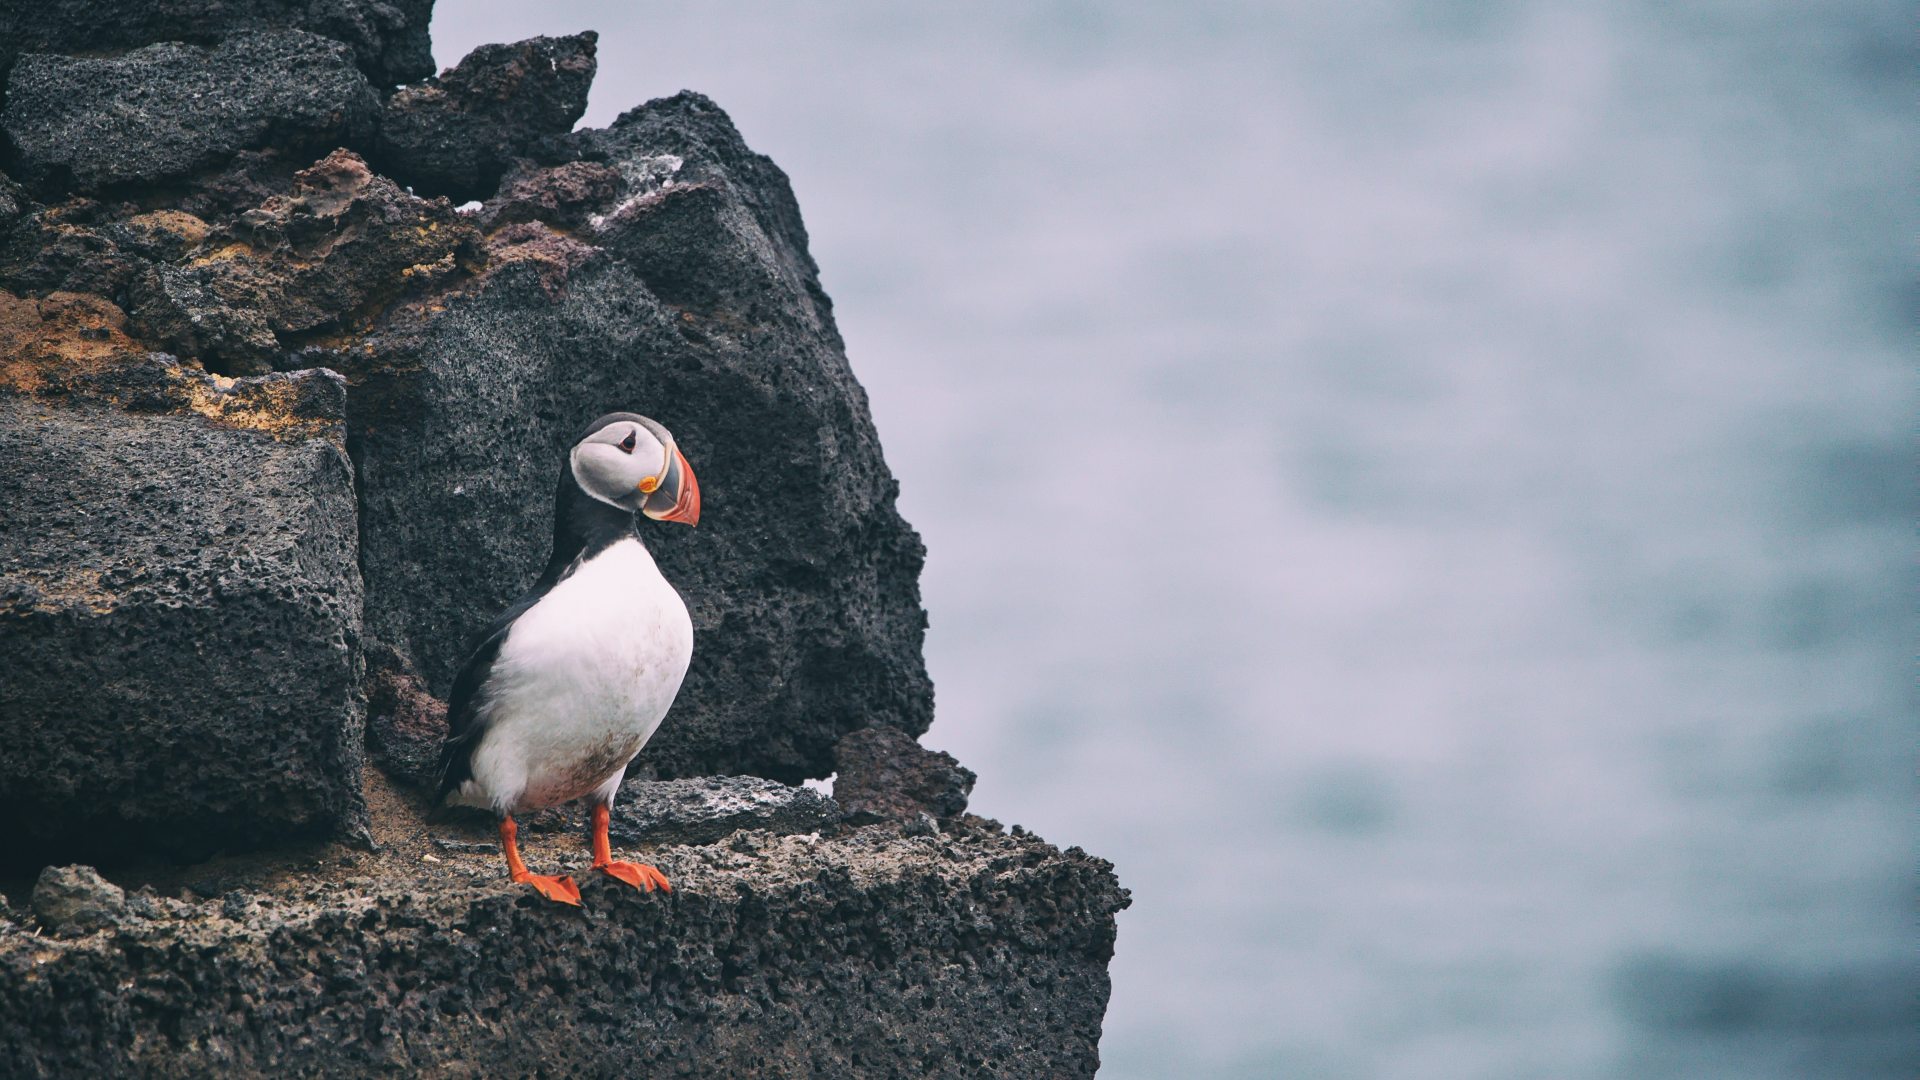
x,y
452,772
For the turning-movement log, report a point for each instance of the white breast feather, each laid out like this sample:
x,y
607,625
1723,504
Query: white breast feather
x,y
580,683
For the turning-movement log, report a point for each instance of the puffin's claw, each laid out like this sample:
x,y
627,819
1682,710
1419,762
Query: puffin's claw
x,y
560,889
639,875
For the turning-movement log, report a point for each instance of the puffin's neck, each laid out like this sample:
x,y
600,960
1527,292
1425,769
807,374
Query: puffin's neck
x,y
583,526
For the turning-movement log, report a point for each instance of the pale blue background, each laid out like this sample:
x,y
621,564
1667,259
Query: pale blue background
x,y
1425,488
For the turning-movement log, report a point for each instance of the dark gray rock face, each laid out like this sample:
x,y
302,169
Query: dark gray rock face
x,y
712,808
802,578
871,955
180,617
76,900
711,226
886,775
169,110
456,135
389,37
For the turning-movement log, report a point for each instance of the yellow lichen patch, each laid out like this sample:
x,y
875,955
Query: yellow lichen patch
x,y
225,253
74,343
509,230
188,229
268,405
342,339
442,265
63,334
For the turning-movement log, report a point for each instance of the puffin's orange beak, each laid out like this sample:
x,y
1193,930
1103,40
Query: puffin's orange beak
x,y
678,496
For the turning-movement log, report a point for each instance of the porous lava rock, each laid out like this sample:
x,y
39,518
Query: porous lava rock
x,y
70,900
457,134
874,954
72,247
53,341
179,607
710,808
314,260
709,225
885,774
389,37
406,725
564,196
801,577
169,110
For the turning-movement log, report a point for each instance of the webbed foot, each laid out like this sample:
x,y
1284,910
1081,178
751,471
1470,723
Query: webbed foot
x,y
639,875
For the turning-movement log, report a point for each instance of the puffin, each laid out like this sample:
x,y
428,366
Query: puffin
x,y
568,684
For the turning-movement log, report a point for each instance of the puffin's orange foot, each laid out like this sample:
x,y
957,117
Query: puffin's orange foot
x,y
560,890
639,875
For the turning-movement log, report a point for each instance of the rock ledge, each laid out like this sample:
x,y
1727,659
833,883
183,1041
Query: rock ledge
x,y
965,954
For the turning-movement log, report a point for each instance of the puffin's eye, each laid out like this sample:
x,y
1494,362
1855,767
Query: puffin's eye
x,y
627,446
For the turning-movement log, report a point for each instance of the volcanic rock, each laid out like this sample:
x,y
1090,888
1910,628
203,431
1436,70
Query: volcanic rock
x,y
883,773
76,899
60,249
709,225
974,954
711,808
406,725
13,202
186,560
179,607
314,260
389,37
564,196
169,110
456,135
58,339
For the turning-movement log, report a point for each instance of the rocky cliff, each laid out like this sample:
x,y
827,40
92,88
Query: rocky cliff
x,y
278,430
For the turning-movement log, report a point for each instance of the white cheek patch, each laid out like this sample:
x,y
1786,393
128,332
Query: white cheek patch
x,y
600,470
651,482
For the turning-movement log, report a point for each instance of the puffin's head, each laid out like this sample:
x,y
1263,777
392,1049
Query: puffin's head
x,y
631,462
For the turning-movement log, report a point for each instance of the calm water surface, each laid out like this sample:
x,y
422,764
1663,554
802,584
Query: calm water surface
x,y
1425,488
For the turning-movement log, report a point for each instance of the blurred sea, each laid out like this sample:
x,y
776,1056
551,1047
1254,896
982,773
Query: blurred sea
x,y
1426,488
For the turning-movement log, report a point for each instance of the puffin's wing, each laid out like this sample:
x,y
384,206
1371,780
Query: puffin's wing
x,y
464,729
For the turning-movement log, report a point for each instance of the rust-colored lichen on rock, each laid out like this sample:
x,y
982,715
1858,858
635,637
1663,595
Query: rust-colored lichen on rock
x,y
275,404
564,196
315,265
223,253
554,254
47,341
174,228
75,345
